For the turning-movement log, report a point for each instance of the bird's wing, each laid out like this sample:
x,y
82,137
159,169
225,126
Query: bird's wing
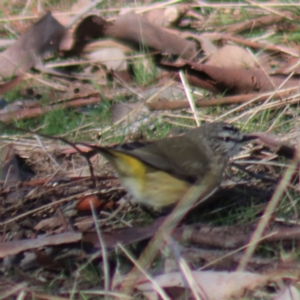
x,y
178,156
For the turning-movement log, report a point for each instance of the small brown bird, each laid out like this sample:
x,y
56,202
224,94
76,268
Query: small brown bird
x,y
158,173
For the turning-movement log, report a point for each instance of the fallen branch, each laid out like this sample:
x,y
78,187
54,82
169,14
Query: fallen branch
x,y
219,101
22,114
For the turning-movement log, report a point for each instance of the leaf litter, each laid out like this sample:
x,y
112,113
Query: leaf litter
x,y
47,187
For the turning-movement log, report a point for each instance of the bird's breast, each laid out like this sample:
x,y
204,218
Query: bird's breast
x,y
156,188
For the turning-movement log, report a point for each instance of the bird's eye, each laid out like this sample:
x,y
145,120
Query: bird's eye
x,y
230,128
226,138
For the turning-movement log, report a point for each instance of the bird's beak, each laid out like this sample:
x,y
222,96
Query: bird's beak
x,y
248,137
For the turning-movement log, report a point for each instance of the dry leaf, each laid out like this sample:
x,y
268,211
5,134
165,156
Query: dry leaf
x,y
136,29
230,80
113,58
228,284
41,39
232,56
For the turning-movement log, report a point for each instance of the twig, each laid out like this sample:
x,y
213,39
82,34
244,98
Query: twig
x,y
273,11
248,98
103,249
189,96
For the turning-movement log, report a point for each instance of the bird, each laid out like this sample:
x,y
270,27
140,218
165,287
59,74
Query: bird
x,y
158,173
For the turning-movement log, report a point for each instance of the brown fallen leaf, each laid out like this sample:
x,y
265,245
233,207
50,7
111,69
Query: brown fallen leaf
x,y
228,56
41,39
133,30
231,56
136,29
229,80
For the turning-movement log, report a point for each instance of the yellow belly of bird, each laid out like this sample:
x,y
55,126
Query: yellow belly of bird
x,y
146,184
156,189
